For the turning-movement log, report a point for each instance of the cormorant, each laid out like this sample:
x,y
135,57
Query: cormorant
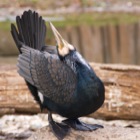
x,y
58,77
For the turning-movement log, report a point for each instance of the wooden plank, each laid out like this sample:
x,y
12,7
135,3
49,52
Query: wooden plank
x,y
74,37
138,43
71,35
132,43
106,44
87,45
114,50
97,45
126,48
64,32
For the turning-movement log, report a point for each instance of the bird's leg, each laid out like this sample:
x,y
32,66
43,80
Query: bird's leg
x,y
60,130
78,125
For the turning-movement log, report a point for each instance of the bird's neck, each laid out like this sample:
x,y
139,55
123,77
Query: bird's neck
x,y
85,72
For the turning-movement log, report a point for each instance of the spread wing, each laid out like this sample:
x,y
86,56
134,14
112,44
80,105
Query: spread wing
x,y
53,78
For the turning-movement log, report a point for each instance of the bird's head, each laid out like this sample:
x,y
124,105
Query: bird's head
x,y
64,48
67,52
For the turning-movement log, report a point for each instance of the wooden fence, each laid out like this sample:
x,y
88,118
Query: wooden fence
x,y
103,44
106,44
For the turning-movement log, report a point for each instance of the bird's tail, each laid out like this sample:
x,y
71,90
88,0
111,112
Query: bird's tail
x,y
31,30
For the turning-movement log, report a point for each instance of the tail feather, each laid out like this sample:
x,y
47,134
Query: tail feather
x,y
31,30
15,36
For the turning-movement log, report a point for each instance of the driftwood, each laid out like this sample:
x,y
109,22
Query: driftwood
x,y
122,84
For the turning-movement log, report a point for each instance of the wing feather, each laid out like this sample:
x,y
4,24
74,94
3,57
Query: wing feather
x,y
53,78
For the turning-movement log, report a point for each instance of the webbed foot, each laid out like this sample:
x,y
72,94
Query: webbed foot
x,y
60,130
78,125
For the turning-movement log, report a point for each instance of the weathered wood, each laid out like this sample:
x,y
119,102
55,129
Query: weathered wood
x,y
97,45
86,45
14,94
105,44
64,33
122,84
126,47
113,43
137,28
101,44
74,37
132,42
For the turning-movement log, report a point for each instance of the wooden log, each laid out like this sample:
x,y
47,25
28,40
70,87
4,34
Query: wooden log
x,y
14,94
122,84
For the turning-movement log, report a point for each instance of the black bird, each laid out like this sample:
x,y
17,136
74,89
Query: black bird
x,y
59,78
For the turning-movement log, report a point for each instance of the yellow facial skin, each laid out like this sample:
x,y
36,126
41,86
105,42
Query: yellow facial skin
x,y
63,46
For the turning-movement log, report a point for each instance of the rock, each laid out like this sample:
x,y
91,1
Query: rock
x,y
108,132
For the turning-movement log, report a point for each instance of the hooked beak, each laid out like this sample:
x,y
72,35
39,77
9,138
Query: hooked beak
x,y
60,41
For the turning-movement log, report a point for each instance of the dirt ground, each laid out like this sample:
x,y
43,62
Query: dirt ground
x,y
34,127
107,133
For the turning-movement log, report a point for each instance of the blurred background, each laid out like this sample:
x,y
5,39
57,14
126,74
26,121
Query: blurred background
x,y
104,31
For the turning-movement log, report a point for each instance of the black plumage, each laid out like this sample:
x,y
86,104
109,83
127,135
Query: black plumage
x,y
59,78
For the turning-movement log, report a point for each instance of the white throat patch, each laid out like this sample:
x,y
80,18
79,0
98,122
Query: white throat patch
x,y
65,50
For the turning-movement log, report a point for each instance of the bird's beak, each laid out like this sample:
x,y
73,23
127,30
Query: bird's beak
x,y
60,41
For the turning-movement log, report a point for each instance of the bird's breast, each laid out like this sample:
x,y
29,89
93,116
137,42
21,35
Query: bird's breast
x,y
88,97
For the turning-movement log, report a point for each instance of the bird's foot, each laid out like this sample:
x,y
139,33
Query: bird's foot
x,y
76,124
60,130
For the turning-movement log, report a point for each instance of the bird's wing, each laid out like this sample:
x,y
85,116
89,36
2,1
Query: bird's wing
x,y
49,49
53,78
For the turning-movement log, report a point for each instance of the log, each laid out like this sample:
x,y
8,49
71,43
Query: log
x,y
108,132
122,85
14,94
